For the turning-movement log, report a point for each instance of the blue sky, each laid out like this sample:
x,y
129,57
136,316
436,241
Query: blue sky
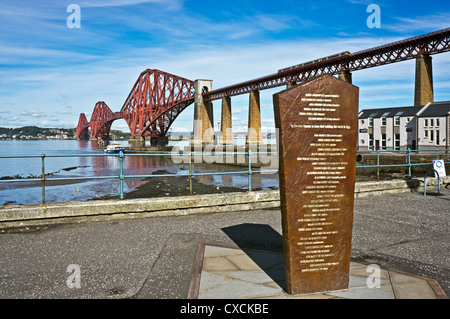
x,y
50,73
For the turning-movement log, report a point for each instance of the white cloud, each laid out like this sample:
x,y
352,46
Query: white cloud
x,y
64,112
33,114
432,22
57,123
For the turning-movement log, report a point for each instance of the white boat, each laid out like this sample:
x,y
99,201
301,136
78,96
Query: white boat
x,y
114,147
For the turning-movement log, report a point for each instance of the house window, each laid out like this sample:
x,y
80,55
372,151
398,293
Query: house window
x,y
426,123
437,122
425,134
397,142
432,122
437,137
397,120
371,142
383,141
370,121
431,135
383,121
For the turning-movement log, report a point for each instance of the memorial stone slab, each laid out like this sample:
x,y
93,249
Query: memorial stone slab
x,y
317,122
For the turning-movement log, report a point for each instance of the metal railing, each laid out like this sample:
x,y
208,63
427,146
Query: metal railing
x,y
44,179
408,153
249,171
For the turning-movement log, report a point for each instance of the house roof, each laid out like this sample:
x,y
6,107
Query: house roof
x,y
390,112
436,109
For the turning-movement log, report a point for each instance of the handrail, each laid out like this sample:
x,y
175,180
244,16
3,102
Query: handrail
x,y
408,164
121,175
249,171
425,182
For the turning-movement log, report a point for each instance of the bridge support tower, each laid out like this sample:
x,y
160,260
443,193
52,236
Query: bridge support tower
x,y
423,92
203,114
345,76
226,130
138,141
254,134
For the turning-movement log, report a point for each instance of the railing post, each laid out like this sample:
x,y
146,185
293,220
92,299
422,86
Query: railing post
x,y
250,170
190,173
43,178
409,162
378,165
121,174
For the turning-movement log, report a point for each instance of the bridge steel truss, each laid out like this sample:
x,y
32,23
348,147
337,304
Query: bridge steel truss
x,y
427,44
155,101
83,127
102,119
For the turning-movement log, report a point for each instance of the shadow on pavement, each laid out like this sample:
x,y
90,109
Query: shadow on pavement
x,y
263,244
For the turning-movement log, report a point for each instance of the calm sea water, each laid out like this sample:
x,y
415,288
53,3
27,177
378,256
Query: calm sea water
x,y
31,192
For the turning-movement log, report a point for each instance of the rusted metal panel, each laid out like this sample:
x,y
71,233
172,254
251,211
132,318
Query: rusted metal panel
x,y
317,124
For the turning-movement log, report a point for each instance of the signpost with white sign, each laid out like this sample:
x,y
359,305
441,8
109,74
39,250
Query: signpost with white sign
x,y
439,166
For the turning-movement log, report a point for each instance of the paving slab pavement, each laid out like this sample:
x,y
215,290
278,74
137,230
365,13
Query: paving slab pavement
x,y
229,273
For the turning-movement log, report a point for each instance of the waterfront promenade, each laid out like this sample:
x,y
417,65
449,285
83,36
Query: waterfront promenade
x,y
155,257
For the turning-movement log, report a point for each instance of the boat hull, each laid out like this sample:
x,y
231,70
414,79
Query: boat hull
x,y
114,151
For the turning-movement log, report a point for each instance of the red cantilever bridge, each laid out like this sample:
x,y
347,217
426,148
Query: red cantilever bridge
x,y
157,98
155,101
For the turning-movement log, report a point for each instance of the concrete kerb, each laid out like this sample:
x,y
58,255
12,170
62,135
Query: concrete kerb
x,y
151,207
364,189
12,216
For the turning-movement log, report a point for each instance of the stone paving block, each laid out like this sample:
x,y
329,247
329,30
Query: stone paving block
x,y
239,289
218,263
243,262
254,276
214,251
232,273
411,287
363,293
210,280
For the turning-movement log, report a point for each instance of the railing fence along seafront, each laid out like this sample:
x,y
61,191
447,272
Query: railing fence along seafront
x,y
191,158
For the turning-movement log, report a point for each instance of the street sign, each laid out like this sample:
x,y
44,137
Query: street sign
x,y
439,166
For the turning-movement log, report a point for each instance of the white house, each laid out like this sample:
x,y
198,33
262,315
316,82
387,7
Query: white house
x,y
400,128
433,123
387,128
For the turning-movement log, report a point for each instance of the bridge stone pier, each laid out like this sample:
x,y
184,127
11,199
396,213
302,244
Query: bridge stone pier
x,y
226,128
204,122
254,134
423,92
203,114
345,76
137,140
